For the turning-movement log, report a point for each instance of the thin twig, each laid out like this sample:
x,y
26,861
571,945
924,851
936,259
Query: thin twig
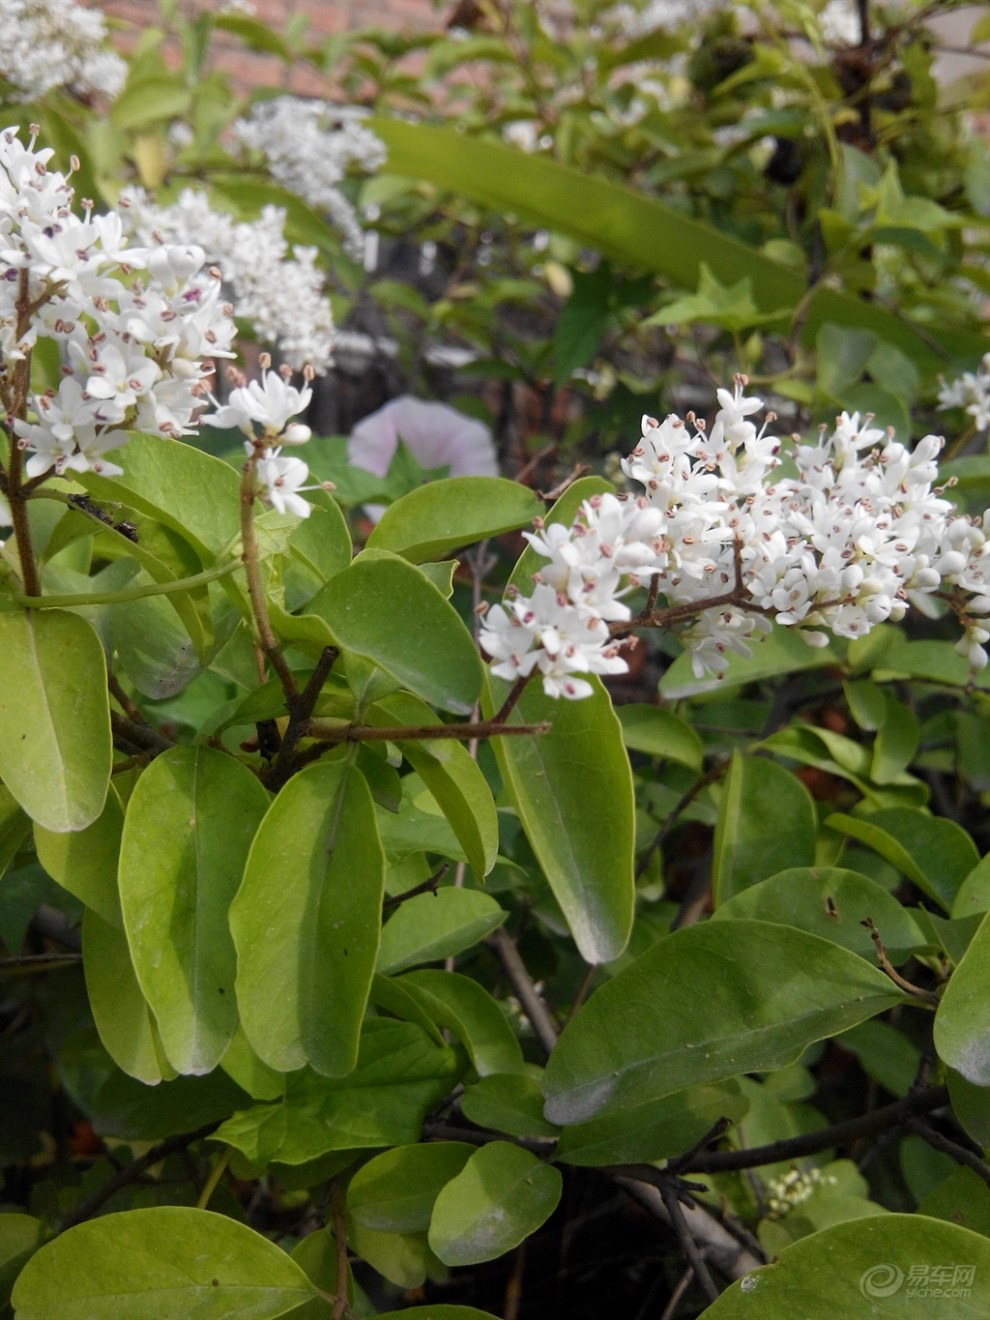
x,y
131,1172
340,1240
504,948
672,1201
926,996
425,887
300,709
812,1143
951,1148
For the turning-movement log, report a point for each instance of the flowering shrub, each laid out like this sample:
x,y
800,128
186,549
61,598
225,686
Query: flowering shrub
x,y
343,943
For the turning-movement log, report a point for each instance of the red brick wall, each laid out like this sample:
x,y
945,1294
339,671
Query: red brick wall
x,y
325,18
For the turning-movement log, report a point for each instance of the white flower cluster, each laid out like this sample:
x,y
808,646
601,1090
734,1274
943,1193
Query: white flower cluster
x,y
136,327
972,392
847,543
794,1188
55,43
268,405
309,147
279,294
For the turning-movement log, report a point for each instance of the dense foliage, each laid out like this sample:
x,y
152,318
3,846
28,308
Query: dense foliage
x,y
561,891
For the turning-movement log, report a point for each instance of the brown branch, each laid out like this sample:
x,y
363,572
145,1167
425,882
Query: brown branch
x,y
671,1195
504,948
252,567
890,1116
340,1241
951,1148
926,996
425,887
130,1173
338,733
722,1250
300,709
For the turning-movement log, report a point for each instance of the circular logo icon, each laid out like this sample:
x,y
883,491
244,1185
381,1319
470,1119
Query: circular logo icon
x,y
881,1281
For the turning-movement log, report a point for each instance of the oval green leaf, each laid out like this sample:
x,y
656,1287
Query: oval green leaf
x,y
766,822
452,776
187,831
430,927
934,853
459,511
961,1035
467,1010
572,789
55,742
711,1002
124,1021
395,1191
386,610
833,903
307,920
166,1261
85,862
661,733
502,1195
887,1267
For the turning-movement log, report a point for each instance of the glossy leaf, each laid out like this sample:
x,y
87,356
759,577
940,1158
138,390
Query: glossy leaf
x,y
307,918
394,1192
640,231
572,790
123,1019
502,1195
860,1270
961,1036
780,652
55,746
399,1076
149,1264
657,1130
711,1001
509,1102
14,828
187,831
934,853
766,821
452,776
441,1312
193,493
85,862
832,903
661,733
431,927
467,1010
425,646
445,515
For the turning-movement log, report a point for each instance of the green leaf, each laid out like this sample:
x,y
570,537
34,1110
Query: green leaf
x,y
307,918
55,742
961,1035
780,652
14,827
728,305
147,100
466,1009
712,1001
639,231
395,1192
187,831
572,790
157,1263
582,321
833,903
19,1237
431,927
123,1019
657,1130
85,862
385,610
442,1312
970,1107
973,894
502,1195
452,776
889,1267
193,493
934,853
659,732
400,1075
509,1102
445,515
766,821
